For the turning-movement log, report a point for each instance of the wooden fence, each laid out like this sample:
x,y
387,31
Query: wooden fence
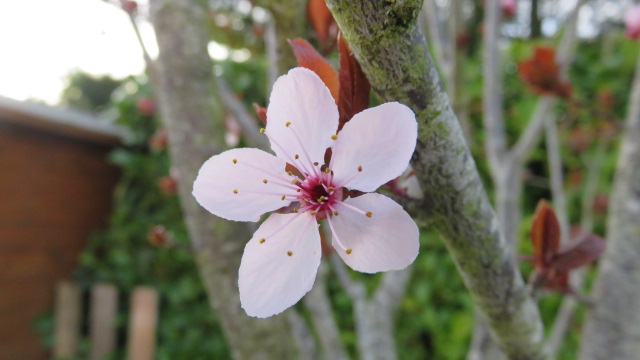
x,y
103,309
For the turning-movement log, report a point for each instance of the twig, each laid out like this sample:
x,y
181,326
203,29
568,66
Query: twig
x,y
247,122
429,15
319,305
557,184
495,144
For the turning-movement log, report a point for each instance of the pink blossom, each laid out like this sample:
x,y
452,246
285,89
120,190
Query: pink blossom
x,y
632,22
371,232
509,7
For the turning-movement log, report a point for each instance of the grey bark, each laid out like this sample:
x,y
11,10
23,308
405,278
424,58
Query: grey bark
x,y
192,116
612,330
392,51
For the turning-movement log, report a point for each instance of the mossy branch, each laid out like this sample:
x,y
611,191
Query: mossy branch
x,y
392,51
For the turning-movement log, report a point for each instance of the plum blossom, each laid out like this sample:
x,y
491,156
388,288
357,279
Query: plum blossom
x,y
370,232
632,22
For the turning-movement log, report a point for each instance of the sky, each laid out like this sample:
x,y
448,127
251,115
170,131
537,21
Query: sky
x,y
41,41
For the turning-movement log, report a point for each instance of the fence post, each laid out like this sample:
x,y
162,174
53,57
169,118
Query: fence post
x,y
104,307
67,321
143,319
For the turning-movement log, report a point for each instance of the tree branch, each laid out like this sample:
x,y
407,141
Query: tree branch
x,y
191,111
393,53
495,142
247,122
612,329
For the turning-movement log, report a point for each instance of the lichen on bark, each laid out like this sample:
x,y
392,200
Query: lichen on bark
x,y
385,38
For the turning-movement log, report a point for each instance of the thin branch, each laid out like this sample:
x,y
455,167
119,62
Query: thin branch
x,y
247,122
354,289
495,143
557,183
319,305
392,289
429,15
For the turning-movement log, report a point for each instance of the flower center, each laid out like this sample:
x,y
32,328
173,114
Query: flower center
x,y
318,195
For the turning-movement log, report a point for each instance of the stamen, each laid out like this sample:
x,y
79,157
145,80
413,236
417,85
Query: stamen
x,y
282,198
321,198
334,137
264,181
313,212
262,240
235,191
365,213
333,231
304,150
327,170
287,123
290,253
315,163
235,161
261,130
275,232
295,210
348,251
286,153
359,168
335,213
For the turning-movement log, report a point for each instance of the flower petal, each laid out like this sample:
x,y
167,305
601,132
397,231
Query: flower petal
x,y
277,272
232,184
301,118
374,147
388,240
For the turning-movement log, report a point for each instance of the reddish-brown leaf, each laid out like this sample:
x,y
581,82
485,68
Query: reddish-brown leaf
x,y
322,22
262,113
580,252
545,235
309,58
354,85
541,73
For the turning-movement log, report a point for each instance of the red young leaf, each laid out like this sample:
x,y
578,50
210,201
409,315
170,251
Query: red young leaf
x,y
545,235
541,73
262,113
354,86
322,22
580,252
309,58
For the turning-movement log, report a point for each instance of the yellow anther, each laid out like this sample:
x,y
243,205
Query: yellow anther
x,y
320,198
235,191
290,173
298,190
262,240
287,123
295,210
290,253
334,137
360,168
235,161
313,212
315,163
335,213
294,181
282,198
348,251
264,181
369,214
296,156
327,170
330,188
261,130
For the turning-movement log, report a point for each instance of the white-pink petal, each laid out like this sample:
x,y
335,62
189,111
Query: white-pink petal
x,y
375,146
388,240
301,118
232,184
278,270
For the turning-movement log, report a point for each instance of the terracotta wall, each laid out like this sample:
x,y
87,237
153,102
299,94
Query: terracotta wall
x,y
54,191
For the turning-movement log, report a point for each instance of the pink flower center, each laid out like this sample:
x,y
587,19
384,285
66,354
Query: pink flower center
x,y
319,195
